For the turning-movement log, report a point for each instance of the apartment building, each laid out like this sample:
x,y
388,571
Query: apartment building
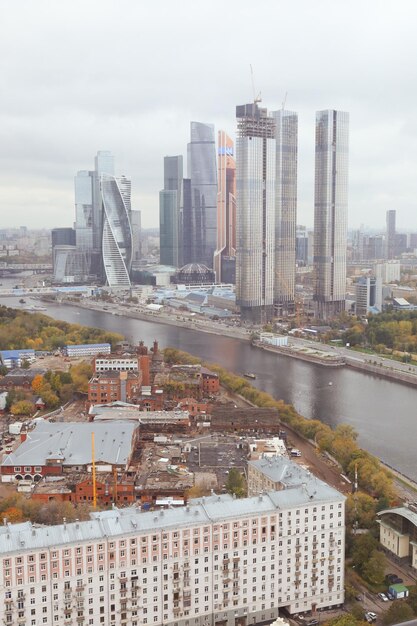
x,y
218,561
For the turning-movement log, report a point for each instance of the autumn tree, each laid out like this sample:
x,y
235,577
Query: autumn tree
x,y
37,384
22,407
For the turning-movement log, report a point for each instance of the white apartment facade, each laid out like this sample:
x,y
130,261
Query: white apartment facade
x,y
217,561
118,364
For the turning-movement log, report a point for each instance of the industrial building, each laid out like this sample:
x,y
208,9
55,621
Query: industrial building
x,y
55,448
219,561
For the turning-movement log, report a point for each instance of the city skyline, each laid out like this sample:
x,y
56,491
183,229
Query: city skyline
x,y
88,98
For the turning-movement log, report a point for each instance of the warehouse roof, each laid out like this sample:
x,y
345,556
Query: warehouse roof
x,y
71,443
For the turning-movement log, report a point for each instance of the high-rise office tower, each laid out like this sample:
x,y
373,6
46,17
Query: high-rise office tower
x,y
202,171
391,234
136,236
286,134
170,212
89,212
255,212
225,254
330,212
187,223
117,229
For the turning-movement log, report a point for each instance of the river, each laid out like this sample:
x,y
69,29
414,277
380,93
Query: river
x,y
383,412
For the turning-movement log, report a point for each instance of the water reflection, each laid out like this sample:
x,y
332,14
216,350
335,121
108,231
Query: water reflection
x,y
383,412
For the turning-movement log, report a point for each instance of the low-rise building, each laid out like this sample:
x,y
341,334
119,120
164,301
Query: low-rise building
x,y
114,385
275,472
52,449
116,362
398,533
219,560
14,358
87,349
20,378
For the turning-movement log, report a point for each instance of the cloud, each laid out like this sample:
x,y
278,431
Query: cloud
x,y
129,77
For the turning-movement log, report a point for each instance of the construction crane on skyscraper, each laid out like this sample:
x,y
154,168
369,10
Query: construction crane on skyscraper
x,y
256,98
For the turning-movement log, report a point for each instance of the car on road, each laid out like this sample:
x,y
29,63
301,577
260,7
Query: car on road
x,y
383,597
390,596
313,622
358,598
370,617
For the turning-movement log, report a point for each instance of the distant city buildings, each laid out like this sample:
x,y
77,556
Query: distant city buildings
x,y
330,212
391,234
170,213
107,232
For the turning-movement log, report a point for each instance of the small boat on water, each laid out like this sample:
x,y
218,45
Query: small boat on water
x,y
249,375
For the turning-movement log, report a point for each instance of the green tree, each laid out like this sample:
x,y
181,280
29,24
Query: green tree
x,y
345,620
374,569
398,612
361,508
362,549
3,370
236,483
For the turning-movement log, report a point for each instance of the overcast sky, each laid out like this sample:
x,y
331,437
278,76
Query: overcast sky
x,y
79,76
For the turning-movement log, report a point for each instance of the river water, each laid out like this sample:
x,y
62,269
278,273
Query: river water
x,y
383,412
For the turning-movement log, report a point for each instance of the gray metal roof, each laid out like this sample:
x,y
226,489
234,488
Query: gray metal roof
x,y
403,511
280,469
117,522
71,442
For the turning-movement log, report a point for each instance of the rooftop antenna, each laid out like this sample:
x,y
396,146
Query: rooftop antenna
x,y
256,98
284,101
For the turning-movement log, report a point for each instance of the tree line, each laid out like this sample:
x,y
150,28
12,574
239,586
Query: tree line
x,y
21,329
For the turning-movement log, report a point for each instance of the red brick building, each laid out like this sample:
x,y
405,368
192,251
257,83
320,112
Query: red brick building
x,y
113,386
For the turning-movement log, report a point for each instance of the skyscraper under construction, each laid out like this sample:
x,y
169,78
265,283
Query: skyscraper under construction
x,y
255,212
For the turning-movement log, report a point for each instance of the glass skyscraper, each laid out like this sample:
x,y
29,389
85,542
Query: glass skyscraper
x,y
170,212
255,212
330,212
225,255
202,171
117,230
286,135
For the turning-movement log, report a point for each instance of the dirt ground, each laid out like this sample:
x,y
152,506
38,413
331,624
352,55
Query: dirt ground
x,y
58,363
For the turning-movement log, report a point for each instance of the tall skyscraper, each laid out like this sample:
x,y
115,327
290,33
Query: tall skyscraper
x,y
202,171
391,234
286,134
136,236
255,212
170,212
225,254
330,212
117,229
